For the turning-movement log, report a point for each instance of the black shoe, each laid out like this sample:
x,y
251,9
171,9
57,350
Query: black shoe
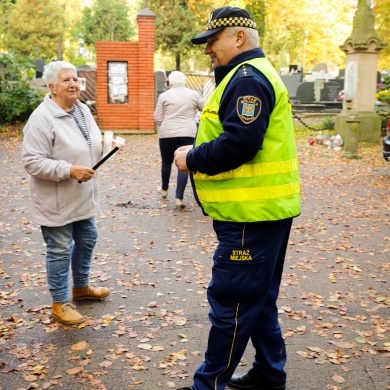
x,y
252,381
185,388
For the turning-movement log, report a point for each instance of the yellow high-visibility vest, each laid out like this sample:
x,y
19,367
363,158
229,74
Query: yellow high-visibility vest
x,y
266,188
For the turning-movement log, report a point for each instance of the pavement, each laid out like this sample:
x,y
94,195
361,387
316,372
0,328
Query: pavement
x,y
151,333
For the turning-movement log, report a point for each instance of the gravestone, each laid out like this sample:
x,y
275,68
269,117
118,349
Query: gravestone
x,y
39,65
292,81
318,86
321,67
330,91
160,85
340,82
305,92
361,48
378,77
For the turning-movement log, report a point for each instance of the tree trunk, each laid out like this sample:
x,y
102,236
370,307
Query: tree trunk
x,y
59,49
177,57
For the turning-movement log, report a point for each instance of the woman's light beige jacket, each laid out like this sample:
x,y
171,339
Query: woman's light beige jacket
x,y
52,143
176,112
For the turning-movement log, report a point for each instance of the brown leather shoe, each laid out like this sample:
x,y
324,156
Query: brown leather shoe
x,y
90,292
66,313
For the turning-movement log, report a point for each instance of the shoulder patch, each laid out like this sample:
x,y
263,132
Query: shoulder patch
x,y
245,71
248,108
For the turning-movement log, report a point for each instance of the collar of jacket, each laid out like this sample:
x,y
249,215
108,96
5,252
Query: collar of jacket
x,y
223,70
55,109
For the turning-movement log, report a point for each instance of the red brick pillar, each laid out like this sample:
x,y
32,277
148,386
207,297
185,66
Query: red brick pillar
x,y
146,28
136,115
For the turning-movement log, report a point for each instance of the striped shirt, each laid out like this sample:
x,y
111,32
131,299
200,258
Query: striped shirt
x,y
79,118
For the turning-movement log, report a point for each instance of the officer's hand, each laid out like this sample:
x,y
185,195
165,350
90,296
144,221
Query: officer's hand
x,y
181,157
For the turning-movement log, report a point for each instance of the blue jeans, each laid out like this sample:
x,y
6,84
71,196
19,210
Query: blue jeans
x,y
73,245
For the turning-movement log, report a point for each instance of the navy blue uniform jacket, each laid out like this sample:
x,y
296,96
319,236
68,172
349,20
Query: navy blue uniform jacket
x,y
240,142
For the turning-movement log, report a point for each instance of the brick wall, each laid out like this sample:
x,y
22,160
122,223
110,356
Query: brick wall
x,y
135,116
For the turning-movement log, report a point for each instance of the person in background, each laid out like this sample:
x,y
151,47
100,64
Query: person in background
x,y
61,142
175,113
244,171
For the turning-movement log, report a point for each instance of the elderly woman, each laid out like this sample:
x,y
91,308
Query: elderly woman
x,y
176,112
61,142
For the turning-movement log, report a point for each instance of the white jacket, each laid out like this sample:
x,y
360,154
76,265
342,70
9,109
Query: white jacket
x,y
176,111
52,144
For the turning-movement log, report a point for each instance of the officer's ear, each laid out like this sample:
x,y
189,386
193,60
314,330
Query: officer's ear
x,y
241,37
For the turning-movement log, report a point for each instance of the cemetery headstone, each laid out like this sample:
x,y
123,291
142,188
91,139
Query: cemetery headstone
x,y
305,92
159,83
292,81
330,91
39,64
340,82
321,67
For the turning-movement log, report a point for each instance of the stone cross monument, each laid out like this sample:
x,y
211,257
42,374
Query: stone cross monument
x,y
362,49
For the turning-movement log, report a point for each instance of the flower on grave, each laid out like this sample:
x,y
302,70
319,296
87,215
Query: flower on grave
x,y
383,96
340,98
383,91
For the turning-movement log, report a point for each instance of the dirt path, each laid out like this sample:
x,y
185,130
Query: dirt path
x,y
152,332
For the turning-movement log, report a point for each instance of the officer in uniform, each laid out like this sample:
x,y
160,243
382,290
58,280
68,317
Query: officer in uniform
x,y
244,171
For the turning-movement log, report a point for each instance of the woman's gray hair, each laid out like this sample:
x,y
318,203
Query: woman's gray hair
x,y
50,71
251,34
176,77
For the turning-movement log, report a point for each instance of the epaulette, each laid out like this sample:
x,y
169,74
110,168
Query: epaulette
x,y
245,71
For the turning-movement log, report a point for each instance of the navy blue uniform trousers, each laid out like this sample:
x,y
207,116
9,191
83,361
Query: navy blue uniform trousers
x,y
246,276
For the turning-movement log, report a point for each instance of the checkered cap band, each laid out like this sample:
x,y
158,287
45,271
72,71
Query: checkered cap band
x,y
231,22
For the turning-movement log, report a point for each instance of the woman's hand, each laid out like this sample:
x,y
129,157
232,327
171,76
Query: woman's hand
x,y
81,173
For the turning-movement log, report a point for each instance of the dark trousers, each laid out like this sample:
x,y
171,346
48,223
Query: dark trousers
x,y
167,150
246,276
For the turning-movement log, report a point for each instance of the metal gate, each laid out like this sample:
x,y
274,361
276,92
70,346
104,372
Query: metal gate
x,y
204,84
88,94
